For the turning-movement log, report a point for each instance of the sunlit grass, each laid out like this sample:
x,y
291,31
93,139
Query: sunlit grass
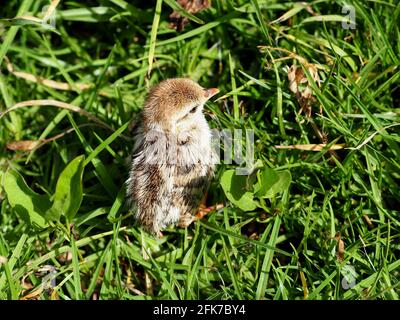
x,y
340,213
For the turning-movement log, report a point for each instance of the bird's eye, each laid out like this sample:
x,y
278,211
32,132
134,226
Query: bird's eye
x,y
193,110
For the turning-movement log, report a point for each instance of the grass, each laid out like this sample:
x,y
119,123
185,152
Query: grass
x,y
332,234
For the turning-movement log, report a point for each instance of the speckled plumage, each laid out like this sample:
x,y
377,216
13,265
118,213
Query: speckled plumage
x,y
172,159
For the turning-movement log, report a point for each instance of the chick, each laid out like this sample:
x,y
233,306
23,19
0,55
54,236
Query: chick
x,y
172,159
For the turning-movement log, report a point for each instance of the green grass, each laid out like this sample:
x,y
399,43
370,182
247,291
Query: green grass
x,y
285,248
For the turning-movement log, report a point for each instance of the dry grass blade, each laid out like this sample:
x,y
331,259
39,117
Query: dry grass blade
x,y
51,9
312,147
300,84
132,288
55,103
373,135
291,55
47,82
29,145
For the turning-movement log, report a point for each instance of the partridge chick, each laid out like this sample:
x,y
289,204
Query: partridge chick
x,y
172,159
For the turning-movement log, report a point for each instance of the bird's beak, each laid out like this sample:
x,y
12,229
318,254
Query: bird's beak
x,y
210,92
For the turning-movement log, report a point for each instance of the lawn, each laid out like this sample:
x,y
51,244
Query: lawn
x,y
317,84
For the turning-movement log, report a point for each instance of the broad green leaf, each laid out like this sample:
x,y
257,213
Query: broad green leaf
x,y
271,182
29,205
265,180
68,195
239,190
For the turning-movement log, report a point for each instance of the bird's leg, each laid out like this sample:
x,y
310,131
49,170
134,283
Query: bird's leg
x,y
203,210
186,219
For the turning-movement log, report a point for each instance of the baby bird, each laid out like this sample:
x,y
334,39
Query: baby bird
x,y
172,160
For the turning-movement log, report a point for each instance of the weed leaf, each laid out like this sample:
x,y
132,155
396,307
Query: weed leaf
x,y
29,205
271,182
68,195
239,190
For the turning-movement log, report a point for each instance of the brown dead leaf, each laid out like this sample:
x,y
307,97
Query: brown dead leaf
x,y
300,85
48,274
296,77
34,295
48,82
192,6
29,145
368,221
26,285
22,145
340,248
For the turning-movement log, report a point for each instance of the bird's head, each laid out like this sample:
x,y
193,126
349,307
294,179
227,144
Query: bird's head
x,y
176,102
